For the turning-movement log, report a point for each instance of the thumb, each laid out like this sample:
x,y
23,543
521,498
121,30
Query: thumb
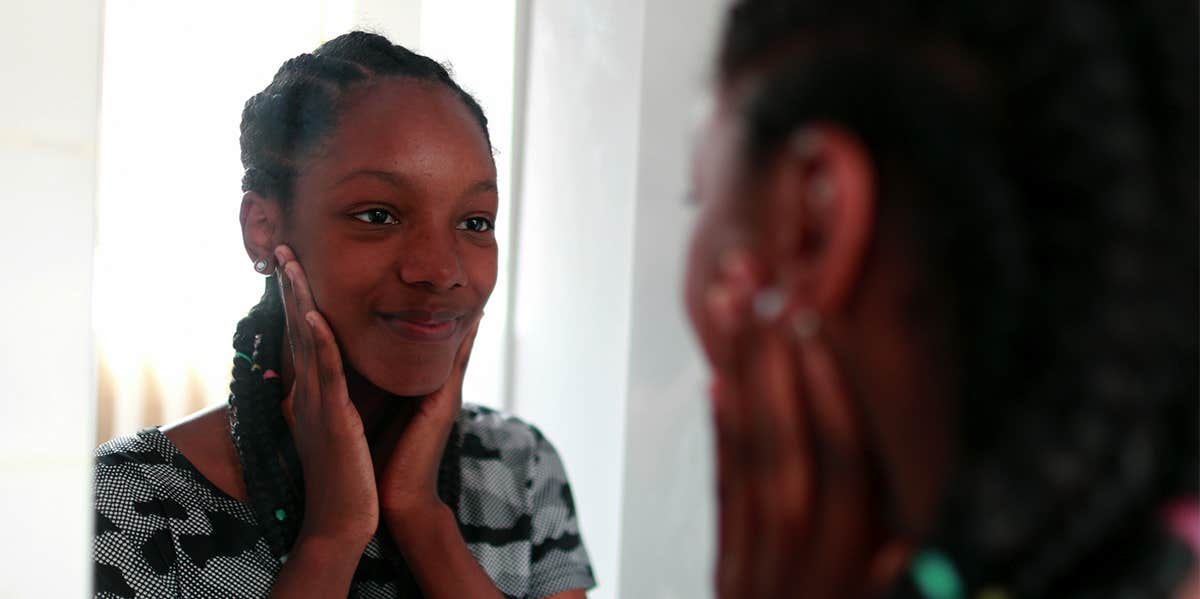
x,y
459,369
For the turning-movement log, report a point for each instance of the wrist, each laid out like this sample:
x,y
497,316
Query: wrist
x,y
335,557
420,523
318,546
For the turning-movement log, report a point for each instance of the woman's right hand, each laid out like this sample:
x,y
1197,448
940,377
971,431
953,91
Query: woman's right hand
x,y
341,506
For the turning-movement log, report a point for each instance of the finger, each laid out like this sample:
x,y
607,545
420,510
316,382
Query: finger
x,y
292,318
785,485
727,302
841,550
302,293
447,400
468,343
330,371
735,528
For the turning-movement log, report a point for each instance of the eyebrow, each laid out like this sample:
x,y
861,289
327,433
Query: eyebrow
x,y
400,181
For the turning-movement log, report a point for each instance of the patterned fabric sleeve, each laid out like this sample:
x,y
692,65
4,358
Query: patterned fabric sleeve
x,y
559,561
129,562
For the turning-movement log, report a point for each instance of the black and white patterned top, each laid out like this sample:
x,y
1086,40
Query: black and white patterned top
x,y
163,530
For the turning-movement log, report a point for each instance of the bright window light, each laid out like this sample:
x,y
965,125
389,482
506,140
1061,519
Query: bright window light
x,y
171,275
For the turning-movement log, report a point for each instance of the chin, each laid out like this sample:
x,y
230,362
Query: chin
x,y
408,379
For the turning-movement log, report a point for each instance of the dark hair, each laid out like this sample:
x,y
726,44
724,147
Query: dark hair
x,y
281,125
1043,154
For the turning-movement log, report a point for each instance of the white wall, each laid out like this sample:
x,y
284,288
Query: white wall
x,y
48,124
605,363
667,520
573,276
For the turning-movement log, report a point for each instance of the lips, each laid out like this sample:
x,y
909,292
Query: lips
x,y
428,326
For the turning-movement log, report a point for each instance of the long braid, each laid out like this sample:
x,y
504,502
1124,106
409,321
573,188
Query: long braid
x,y
260,433
280,126
1076,395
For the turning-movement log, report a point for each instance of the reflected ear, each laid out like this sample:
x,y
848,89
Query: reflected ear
x,y
262,228
820,216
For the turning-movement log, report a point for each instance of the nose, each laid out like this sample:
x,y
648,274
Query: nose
x,y
429,258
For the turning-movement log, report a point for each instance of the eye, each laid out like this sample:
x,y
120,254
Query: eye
x,y
376,216
476,224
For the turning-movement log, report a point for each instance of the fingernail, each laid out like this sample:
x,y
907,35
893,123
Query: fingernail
x,y
720,308
736,266
311,319
279,255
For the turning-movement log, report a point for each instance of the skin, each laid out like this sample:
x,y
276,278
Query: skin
x,y
387,258
832,444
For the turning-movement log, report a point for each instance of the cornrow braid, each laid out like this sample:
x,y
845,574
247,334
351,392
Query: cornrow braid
x,y
281,127
287,120
1053,147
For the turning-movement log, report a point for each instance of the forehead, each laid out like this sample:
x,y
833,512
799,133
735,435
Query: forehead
x,y
406,125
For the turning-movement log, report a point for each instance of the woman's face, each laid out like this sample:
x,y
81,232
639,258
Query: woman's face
x,y
392,219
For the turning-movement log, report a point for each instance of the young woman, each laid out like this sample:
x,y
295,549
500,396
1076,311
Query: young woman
x,y
946,277
345,461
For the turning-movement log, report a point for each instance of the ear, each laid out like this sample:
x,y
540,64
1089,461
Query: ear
x,y
819,216
262,228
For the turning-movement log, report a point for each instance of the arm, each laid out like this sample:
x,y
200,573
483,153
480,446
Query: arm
x,y
341,509
317,568
435,550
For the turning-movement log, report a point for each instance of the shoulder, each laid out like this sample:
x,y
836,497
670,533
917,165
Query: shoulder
x,y
500,450
489,433
130,460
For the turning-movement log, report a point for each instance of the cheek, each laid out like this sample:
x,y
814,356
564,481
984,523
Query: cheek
x,y
341,275
482,266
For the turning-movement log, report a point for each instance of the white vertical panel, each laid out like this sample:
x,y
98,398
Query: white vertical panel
x,y
48,122
667,516
572,303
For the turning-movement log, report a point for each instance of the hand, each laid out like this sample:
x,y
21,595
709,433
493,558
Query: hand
x,y
339,482
411,455
794,495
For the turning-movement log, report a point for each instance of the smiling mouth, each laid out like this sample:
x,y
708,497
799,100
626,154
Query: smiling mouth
x,y
422,325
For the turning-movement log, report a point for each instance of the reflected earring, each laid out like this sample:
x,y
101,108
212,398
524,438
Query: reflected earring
x,y
261,266
768,304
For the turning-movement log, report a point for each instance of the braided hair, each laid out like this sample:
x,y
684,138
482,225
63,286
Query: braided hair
x,y
1053,148
282,125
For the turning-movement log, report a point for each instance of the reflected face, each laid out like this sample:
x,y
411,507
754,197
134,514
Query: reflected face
x,y
392,220
890,338
722,224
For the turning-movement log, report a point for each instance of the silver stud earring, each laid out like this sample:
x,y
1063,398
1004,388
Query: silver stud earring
x,y
768,304
261,265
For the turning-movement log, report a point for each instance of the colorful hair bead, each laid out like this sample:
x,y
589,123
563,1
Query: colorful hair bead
x,y
935,576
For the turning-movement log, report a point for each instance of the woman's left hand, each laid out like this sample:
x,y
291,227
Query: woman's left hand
x,y
794,496
426,529
408,475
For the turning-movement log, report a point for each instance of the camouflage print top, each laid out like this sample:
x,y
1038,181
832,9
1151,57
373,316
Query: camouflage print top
x,y
163,530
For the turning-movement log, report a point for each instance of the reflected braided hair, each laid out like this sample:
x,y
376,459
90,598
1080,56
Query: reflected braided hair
x,y
282,125
1053,150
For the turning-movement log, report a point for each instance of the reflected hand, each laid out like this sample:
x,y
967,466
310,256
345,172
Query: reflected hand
x,y
793,490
